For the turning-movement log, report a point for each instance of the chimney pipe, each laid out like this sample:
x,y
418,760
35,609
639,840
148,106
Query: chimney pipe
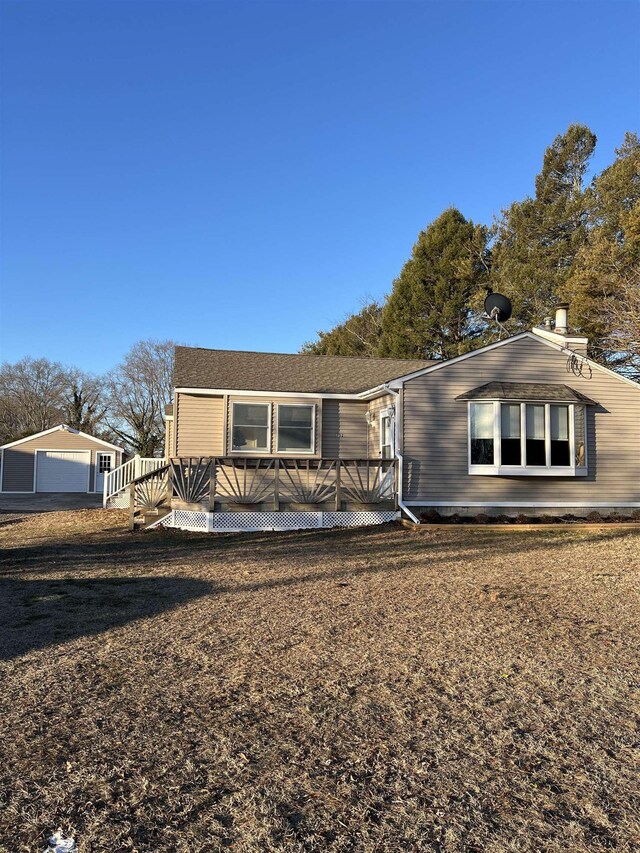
x,y
548,323
562,325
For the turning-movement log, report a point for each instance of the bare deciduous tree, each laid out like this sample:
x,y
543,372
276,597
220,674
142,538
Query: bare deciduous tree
x,y
139,390
31,397
36,394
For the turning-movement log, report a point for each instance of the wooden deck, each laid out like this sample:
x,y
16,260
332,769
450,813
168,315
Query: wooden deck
x,y
263,484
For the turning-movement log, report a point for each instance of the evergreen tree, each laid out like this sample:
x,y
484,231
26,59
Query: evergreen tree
x,y
604,286
85,402
538,239
359,334
429,312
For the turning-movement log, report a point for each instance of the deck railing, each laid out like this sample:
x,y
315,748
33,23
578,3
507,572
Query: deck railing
x,y
255,484
268,482
116,481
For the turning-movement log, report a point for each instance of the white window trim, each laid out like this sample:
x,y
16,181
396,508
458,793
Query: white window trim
x,y
256,450
387,413
311,451
500,470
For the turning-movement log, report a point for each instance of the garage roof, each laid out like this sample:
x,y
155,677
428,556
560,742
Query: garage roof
x,y
55,429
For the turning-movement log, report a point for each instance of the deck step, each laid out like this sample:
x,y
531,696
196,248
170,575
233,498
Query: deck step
x,y
152,517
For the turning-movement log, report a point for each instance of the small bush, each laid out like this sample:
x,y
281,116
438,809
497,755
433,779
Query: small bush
x,y
431,516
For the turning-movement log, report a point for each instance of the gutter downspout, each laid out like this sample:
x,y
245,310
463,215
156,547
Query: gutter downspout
x,y
396,448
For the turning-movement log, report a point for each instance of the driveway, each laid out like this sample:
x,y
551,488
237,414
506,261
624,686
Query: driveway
x,y
48,502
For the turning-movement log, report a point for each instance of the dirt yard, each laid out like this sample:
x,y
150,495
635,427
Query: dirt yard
x,y
363,690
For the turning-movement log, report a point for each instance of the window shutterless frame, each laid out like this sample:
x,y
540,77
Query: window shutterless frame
x,y
243,450
308,451
523,470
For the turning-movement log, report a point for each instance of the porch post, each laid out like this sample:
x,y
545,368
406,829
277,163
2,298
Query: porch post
x,y
132,506
338,495
169,493
212,485
276,485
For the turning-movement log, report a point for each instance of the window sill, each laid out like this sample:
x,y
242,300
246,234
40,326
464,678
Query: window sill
x,y
276,454
515,471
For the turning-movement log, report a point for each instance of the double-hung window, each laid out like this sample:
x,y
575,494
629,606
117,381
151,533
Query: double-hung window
x,y
527,439
250,431
296,428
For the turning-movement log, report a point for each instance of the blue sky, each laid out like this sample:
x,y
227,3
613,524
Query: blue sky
x,y
239,175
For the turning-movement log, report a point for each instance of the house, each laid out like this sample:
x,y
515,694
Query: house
x,y
60,459
527,424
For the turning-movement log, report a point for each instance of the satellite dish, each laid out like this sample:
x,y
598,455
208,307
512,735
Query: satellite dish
x,y
498,307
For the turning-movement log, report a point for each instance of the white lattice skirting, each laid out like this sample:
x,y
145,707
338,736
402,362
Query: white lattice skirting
x,y
248,522
118,501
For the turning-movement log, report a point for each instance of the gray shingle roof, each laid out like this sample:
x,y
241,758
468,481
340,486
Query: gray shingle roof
x,y
532,392
235,370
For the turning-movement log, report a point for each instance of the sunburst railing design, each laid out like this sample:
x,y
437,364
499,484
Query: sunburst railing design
x,y
151,489
191,477
279,482
308,481
367,481
245,481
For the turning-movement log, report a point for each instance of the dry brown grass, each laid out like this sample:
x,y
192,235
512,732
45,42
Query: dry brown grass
x,y
364,690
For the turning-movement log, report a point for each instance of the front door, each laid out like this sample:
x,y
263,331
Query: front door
x,y
105,462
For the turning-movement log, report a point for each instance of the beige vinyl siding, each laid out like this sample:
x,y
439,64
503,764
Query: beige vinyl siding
x,y
199,425
19,461
168,441
375,407
344,429
435,432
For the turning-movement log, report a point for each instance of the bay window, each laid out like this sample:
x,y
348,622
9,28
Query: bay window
x,y
536,453
527,439
482,431
510,443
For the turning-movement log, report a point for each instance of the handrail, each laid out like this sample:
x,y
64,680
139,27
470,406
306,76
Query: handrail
x,y
117,480
148,474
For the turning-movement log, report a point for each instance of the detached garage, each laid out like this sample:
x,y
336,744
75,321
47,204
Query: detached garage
x,y
60,459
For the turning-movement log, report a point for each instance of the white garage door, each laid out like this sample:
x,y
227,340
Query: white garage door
x,y
62,470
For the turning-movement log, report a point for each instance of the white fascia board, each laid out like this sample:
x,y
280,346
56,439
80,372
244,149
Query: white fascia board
x,y
319,395
37,435
528,504
560,348
555,338
378,391
399,382
97,440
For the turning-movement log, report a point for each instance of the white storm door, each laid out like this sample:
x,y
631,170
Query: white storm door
x,y
105,462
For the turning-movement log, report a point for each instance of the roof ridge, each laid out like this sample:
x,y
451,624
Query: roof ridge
x,y
305,354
